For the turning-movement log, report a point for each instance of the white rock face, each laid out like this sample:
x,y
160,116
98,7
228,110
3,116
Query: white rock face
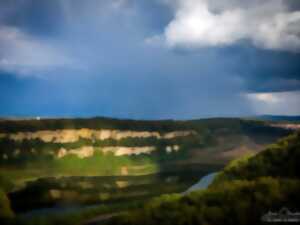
x,y
168,149
119,151
83,152
88,151
175,134
174,148
61,153
72,135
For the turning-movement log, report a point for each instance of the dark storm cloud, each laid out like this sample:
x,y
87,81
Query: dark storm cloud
x,y
268,71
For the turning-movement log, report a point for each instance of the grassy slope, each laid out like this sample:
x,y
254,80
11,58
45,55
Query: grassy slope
x,y
241,194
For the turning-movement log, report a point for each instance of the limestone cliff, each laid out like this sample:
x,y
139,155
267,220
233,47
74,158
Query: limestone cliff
x,y
73,135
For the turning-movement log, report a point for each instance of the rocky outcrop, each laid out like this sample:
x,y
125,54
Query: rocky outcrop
x,y
88,151
119,151
175,134
73,135
174,148
83,152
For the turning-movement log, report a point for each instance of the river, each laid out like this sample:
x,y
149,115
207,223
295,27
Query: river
x,y
203,183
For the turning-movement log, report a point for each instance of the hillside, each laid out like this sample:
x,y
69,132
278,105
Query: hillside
x,y
52,165
241,194
101,146
277,160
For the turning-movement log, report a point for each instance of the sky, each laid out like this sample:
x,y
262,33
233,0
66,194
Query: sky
x,y
149,59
